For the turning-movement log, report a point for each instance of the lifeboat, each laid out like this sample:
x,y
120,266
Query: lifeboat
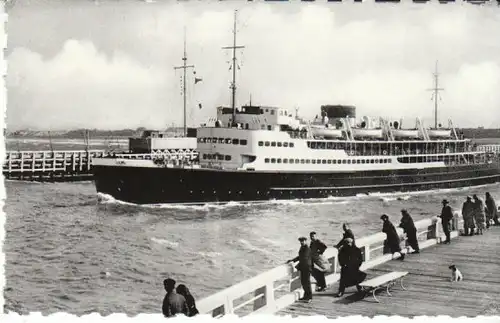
x,y
406,133
439,133
367,133
326,131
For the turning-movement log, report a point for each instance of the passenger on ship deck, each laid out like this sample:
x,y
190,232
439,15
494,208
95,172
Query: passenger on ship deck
x,y
173,303
392,243
350,260
319,264
347,234
468,216
184,291
492,212
446,217
479,215
409,228
304,266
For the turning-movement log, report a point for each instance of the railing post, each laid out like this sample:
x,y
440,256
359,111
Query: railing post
x,y
437,231
454,222
228,306
367,253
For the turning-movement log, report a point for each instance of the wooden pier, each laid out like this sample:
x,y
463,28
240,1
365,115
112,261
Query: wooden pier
x,y
429,290
52,166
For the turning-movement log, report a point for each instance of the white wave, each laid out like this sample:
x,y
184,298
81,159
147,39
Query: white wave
x,y
209,254
104,198
330,200
165,242
247,245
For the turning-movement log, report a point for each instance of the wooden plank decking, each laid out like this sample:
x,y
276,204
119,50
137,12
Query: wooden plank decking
x,y
429,290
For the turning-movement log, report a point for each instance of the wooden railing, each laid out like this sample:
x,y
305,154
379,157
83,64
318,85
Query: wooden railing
x,y
50,161
279,287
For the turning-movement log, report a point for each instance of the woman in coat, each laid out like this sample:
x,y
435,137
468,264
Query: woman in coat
x,y
479,215
184,291
392,243
409,228
350,260
491,210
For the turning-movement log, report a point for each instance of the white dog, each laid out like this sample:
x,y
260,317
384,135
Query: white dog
x,y
456,275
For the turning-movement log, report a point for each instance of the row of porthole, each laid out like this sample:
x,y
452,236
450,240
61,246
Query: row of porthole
x,y
275,144
214,140
217,156
327,161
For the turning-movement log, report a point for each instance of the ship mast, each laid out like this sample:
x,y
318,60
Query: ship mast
x,y
435,95
233,83
184,90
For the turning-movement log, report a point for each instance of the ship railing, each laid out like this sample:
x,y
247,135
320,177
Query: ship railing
x,y
279,287
151,156
489,148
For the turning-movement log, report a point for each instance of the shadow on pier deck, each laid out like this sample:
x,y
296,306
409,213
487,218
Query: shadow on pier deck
x,y
429,291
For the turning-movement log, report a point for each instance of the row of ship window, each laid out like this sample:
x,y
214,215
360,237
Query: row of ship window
x,y
327,161
276,144
217,157
214,140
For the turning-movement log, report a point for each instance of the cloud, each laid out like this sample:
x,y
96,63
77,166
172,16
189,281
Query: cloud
x,y
81,87
378,60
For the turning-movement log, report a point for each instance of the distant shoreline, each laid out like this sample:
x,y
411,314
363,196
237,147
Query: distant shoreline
x,y
471,133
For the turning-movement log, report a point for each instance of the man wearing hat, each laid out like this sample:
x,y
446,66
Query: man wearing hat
x,y
446,216
173,303
305,267
468,216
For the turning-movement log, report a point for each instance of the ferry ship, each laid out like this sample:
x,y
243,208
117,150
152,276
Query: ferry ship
x,y
258,153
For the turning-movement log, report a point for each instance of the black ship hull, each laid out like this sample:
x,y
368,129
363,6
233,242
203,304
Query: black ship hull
x,y
146,185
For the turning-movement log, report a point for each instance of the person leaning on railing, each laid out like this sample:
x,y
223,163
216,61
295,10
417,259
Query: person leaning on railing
x,y
304,266
347,234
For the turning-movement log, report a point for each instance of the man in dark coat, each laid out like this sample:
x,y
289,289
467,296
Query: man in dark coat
x,y
468,217
304,266
392,243
409,228
350,260
492,212
173,303
446,217
317,248
347,234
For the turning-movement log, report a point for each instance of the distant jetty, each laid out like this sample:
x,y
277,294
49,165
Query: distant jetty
x,y
50,166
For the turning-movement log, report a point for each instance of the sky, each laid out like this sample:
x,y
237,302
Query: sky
x,y
110,65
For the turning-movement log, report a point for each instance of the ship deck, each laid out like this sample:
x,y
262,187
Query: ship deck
x,y
429,290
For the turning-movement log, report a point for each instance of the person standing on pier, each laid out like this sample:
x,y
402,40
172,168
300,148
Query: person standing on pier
x,y
304,266
446,217
467,215
350,260
319,264
479,215
347,234
492,212
173,303
392,243
409,228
